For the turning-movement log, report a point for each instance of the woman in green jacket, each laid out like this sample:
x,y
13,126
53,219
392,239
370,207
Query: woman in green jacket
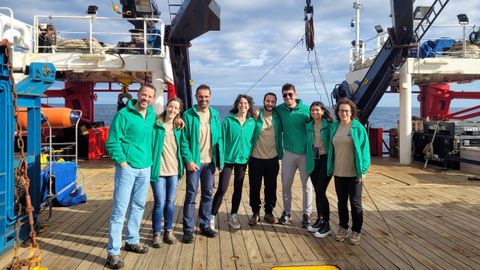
x,y
167,168
348,161
317,149
237,130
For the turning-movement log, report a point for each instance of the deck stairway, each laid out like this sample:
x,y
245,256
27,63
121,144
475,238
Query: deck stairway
x,y
429,18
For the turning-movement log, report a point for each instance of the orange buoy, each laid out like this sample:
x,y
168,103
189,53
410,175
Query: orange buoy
x,y
57,117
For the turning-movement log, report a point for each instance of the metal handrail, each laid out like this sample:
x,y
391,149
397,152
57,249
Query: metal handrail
x,y
90,33
432,35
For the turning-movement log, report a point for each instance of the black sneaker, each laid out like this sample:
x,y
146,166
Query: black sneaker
x,y
306,220
284,218
137,248
208,232
315,226
324,230
188,237
254,219
114,262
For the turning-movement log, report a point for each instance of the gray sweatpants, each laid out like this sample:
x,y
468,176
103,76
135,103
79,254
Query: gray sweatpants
x,y
290,163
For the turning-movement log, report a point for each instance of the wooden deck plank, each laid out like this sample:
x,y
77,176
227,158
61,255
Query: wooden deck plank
x,y
278,250
432,215
227,257
408,225
251,245
143,261
173,251
444,228
186,253
70,241
364,257
453,209
239,249
426,235
77,243
294,254
256,236
342,247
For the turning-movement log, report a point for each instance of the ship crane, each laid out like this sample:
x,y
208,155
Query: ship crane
x,y
391,57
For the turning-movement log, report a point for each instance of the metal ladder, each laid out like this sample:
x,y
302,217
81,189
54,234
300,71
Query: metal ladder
x,y
427,21
173,8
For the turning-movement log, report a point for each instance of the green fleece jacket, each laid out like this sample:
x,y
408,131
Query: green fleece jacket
x,y
277,126
324,133
361,148
191,137
157,150
293,126
237,139
130,137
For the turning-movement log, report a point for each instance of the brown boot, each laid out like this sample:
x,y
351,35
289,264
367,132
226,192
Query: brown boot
x,y
156,240
270,218
168,237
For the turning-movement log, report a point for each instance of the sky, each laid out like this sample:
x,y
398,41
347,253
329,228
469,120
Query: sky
x,y
255,35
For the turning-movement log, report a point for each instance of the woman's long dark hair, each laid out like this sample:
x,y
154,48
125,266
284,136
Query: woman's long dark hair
x,y
161,117
234,110
326,113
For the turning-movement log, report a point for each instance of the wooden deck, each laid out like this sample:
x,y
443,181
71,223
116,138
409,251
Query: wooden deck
x,y
433,223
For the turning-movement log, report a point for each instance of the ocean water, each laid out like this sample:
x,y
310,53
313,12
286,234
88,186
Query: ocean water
x,y
382,117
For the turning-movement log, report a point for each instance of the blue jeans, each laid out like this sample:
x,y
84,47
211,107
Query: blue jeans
x,y
131,187
205,175
164,191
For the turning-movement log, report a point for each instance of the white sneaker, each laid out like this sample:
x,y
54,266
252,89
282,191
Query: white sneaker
x,y
234,222
212,222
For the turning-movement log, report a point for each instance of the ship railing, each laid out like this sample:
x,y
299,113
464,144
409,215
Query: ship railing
x,y
15,31
97,31
461,49
368,50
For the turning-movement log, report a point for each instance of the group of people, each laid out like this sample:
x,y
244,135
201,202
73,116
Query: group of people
x,y
159,148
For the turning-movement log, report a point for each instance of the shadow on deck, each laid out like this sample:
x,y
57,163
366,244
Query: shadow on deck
x,y
413,218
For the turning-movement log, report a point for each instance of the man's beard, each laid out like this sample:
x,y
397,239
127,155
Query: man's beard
x,y
268,108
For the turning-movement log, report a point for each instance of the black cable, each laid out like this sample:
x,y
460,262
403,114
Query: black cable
x,y
320,73
278,62
121,58
395,241
313,75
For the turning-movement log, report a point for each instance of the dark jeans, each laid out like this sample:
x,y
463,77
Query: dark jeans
x,y
349,188
320,181
205,176
224,181
268,169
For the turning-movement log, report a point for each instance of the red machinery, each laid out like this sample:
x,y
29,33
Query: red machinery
x,y
435,102
81,96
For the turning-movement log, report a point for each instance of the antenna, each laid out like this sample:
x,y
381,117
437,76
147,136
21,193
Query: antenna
x,y
356,21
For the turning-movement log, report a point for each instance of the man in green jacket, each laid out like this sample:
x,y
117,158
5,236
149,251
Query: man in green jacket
x,y
202,152
294,116
129,145
263,163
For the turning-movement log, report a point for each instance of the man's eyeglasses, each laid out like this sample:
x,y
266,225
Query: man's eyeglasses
x,y
344,111
287,95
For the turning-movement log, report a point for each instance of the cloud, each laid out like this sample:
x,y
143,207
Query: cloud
x,y
255,35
